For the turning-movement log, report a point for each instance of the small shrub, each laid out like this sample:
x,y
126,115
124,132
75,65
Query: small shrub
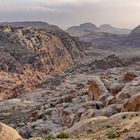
x,y
63,135
49,138
137,114
89,131
108,126
112,134
124,117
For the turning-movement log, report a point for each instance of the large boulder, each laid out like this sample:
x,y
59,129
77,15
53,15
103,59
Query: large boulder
x,y
80,125
132,104
115,88
96,88
129,76
8,133
111,110
130,89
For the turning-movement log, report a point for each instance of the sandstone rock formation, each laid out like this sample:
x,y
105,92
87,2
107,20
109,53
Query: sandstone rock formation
x,y
8,133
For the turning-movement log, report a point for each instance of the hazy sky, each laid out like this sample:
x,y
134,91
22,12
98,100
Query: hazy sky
x,y
120,13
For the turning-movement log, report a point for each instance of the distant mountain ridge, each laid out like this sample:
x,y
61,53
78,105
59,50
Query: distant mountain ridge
x,y
87,28
82,29
113,30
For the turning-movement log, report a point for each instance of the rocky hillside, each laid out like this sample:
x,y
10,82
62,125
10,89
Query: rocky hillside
x,y
72,44
133,39
104,40
30,55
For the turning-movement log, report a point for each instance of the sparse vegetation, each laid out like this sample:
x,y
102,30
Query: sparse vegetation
x,y
49,138
108,126
124,117
89,131
63,135
113,134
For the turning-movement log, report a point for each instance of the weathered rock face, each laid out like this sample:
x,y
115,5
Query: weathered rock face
x,y
8,133
72,44
31,46
28,56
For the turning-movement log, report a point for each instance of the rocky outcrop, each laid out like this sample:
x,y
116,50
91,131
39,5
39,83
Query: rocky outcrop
x,y
29,56
121,126
129,76
72,44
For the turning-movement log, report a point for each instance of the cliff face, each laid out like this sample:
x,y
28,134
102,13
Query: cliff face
x,y
27,57
72,44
